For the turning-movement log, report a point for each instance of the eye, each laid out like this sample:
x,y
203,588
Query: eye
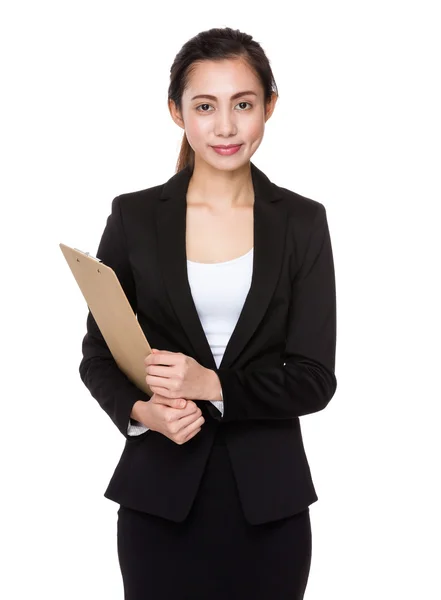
x,y
205,104
243,102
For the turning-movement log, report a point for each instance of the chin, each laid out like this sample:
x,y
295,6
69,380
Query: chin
x,y
231,166
225,163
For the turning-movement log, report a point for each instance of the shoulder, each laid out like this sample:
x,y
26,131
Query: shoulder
x,y
307,224
139,199
303,211
298,204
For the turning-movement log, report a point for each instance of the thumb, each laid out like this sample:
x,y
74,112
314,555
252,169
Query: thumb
x,y
173,402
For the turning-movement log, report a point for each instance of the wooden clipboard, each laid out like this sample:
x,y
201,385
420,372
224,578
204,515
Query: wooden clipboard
x,y
112,312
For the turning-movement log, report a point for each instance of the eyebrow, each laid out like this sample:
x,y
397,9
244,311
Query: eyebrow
x,y
233,97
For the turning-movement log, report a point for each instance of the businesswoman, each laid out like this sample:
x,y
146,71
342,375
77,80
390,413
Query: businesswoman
x,y
232,281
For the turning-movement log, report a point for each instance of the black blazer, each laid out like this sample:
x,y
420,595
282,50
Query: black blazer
x,y
278,364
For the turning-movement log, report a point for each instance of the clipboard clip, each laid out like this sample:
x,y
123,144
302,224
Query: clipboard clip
x,y
89,255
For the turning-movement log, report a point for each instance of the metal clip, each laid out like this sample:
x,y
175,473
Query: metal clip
x,y
89,255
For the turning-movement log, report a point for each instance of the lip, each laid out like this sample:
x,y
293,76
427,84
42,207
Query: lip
x,y
227,150
226,146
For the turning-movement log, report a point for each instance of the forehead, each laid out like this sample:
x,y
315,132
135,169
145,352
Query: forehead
x,y
221,78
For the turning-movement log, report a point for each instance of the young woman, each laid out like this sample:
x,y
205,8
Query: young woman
x,y
232,280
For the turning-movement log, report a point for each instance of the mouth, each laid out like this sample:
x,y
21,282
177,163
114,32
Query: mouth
x,y
227,150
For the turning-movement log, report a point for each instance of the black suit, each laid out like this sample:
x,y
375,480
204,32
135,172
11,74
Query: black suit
x,y
278,364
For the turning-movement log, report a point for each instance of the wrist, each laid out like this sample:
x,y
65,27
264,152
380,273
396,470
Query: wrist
x,y
137,409
214,388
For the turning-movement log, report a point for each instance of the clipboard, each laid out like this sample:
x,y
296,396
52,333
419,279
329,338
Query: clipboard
x,y
112,312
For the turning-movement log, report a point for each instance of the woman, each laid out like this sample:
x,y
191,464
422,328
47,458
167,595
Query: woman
x,y
232,280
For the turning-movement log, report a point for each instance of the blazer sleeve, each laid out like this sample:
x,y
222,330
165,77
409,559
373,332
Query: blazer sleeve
x,y
306,382
114,391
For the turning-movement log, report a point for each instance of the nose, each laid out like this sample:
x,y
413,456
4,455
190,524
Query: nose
x,y
225,125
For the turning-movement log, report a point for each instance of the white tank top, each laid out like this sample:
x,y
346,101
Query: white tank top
x,y
219,291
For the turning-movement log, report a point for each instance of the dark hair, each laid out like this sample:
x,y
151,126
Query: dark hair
x,y
216,44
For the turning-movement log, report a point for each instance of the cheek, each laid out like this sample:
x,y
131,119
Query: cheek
x,y
255,128
196,129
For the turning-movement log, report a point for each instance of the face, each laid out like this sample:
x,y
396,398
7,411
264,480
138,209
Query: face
x,y
222,114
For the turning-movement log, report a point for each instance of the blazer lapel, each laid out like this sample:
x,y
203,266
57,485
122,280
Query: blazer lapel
x,y
270,220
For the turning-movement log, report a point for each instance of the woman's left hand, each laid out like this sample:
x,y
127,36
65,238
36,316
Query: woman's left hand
x,y
176,375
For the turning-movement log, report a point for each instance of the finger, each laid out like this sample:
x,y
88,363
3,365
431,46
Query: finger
x,y
161,357
190,409
188,429
165,392
162,383
181,425
176,414
192,435
173,402
158,371
180,403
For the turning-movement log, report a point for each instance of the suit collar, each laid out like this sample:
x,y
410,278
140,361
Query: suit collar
x,y
270,220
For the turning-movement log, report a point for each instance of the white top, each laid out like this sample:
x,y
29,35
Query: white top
x,y
219,291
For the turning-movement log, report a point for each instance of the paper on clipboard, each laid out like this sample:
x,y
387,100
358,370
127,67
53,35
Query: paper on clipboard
x,y
112,312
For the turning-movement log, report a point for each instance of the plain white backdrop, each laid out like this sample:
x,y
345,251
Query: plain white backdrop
x,y
357,127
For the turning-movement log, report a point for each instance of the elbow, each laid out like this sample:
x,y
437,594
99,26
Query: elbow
x,y
324,383
315,384
83,370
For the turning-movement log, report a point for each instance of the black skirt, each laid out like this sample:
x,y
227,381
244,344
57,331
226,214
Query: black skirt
x,y
214,554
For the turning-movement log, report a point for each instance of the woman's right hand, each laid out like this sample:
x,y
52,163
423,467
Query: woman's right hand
x,y
166,416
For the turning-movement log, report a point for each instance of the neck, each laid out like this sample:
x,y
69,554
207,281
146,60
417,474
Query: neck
x,y
218,188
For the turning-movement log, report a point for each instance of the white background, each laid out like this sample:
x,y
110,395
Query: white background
x,y
357,127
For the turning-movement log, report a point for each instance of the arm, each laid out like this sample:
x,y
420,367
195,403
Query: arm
x,y
306,382
113,390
